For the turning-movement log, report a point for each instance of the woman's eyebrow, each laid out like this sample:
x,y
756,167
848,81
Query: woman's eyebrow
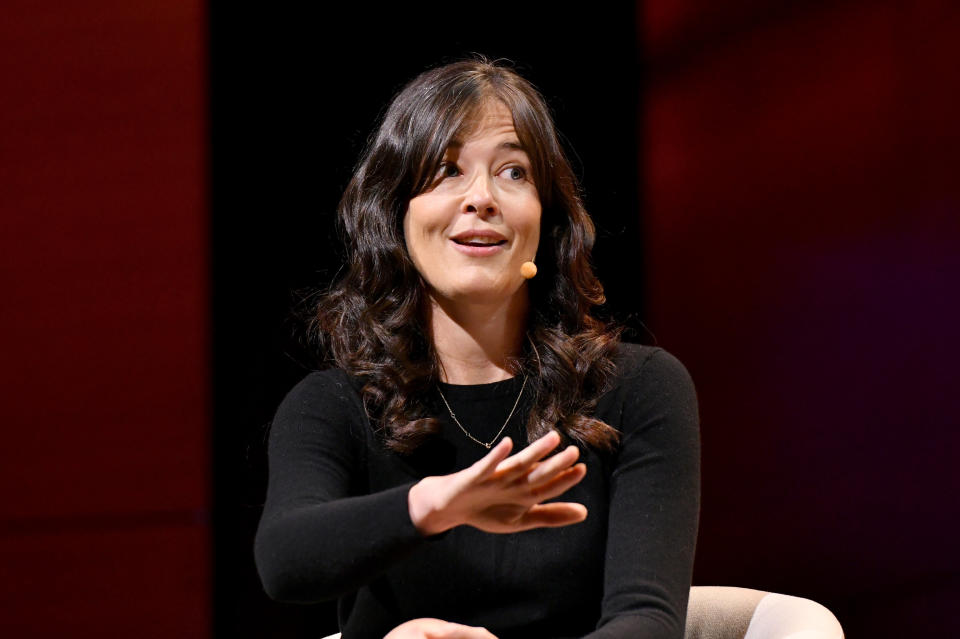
x,y
512,145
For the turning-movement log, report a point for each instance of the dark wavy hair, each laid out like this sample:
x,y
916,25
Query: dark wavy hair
x,y
372,322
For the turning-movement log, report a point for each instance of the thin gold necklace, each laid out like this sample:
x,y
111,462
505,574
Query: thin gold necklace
x,y
502,428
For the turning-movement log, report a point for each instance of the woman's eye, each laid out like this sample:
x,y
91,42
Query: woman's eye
x,y
448,169
516,173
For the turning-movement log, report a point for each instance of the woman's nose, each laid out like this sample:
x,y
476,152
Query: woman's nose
x,y
480,198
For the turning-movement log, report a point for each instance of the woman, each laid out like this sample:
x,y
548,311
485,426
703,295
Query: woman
x,y
414,480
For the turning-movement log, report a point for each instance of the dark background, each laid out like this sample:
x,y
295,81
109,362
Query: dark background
x,y
775,188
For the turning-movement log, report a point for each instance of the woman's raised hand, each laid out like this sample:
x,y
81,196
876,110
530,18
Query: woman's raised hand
x,y
502,494
427,628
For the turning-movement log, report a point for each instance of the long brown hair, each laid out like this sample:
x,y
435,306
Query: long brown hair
x,y
371,322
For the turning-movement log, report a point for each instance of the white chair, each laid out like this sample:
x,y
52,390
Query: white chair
x,y
723,612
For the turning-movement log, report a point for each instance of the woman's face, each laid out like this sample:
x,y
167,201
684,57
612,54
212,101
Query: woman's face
x,y
479,219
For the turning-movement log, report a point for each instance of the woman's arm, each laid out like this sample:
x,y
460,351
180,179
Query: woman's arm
x,y
320,537
654,505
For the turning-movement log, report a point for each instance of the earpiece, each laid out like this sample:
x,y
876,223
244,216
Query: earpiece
x,y
528,270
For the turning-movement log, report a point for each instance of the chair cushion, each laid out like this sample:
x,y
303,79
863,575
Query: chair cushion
x,y
720,612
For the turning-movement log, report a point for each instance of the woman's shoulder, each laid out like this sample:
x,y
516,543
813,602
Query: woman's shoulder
x,y
653,394
321,393
638,363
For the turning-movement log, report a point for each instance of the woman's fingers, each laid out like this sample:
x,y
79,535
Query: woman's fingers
x,y
502,493
519,506
489,463
560,484
429,628
457,631
520,463
545,471
552,515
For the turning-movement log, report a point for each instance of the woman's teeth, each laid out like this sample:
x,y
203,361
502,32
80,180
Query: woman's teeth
x,y
479,241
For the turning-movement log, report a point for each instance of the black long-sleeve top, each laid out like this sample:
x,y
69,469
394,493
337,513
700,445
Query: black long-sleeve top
x,y
336,522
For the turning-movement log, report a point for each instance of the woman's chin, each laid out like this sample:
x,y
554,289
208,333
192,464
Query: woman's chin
x,y
481,293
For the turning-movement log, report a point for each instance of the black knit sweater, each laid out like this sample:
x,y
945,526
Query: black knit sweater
x,y
336,522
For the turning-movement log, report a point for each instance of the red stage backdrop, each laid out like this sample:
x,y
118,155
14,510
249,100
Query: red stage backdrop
x,y
104,464
802,234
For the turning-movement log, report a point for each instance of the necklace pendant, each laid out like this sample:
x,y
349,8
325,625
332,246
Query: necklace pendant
x,y
502,428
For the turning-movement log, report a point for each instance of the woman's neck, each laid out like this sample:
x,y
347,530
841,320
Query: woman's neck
x,y
475,341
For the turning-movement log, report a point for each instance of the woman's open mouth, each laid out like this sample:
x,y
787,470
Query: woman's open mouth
x,y
479,243
479,249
